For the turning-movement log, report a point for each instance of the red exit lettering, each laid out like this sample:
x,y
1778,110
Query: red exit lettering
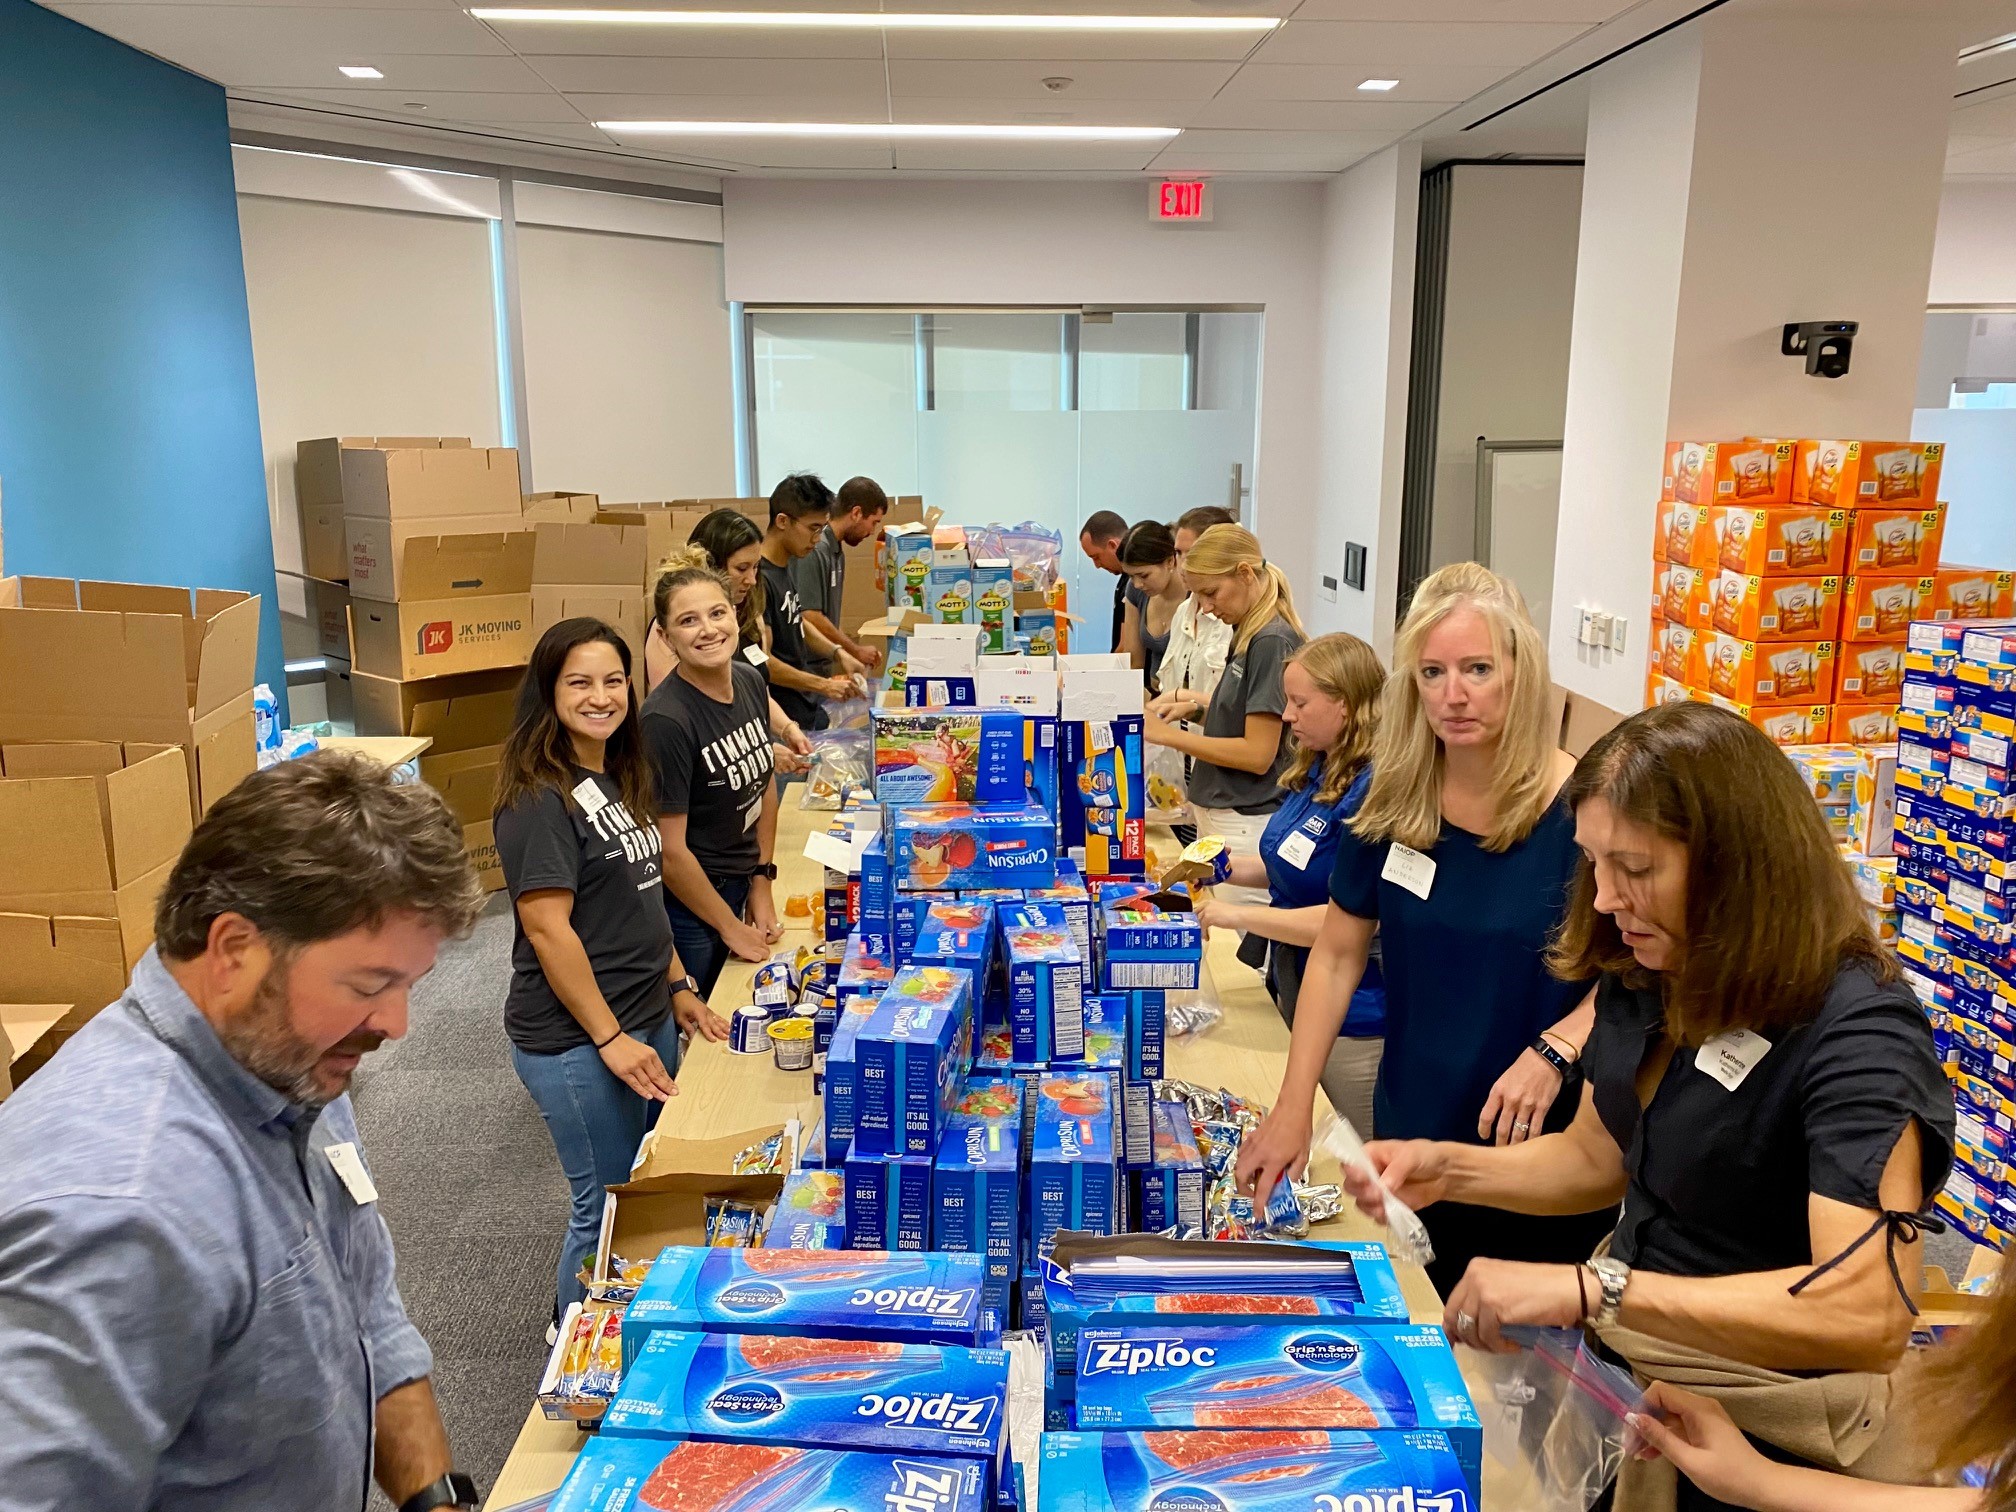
x,y
1180,200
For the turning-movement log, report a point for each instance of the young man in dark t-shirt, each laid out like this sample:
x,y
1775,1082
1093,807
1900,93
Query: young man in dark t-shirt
x,y
821,575
800,507
1100,541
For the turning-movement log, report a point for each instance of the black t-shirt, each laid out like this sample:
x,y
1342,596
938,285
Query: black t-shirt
x,y
596,849
1719,1178
714,766
1120,587
785,615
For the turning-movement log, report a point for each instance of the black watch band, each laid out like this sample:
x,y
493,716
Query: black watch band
x,y
1543,1048
767,869
453,1490
686,984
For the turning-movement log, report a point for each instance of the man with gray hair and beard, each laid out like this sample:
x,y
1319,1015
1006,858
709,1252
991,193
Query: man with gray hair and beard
x,y
197,1303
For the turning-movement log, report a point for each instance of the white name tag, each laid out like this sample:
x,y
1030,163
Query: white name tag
x,y
1731,1056
591,798
1297,849
754,655
749,819
349,1168
1408,868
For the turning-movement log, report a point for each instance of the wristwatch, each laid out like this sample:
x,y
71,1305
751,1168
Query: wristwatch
x,y
1613,1276
453,1490
686,984
767,869
1544,1048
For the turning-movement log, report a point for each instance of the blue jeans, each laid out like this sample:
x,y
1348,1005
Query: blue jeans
x,y
702,950
596,1122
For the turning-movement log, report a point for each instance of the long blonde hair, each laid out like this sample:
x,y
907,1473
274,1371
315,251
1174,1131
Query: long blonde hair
x,y
1965,1409
1404,803
1348,670
1221,552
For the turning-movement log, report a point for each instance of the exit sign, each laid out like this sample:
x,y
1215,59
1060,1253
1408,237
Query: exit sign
x,y
1180,200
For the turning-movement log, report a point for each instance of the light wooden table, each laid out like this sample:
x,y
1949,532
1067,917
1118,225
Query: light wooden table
x,y
721,1093
392,750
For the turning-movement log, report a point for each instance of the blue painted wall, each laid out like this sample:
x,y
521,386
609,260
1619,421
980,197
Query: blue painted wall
x,y
129,423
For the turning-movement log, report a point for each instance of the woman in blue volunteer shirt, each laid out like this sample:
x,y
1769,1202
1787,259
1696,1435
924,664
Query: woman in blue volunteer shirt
x,y
1331,707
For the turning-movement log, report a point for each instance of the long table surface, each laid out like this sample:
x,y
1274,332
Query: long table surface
x,y
721,1093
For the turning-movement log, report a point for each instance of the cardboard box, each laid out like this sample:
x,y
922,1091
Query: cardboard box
x,y
1781,540
29,1034
133,663
1731,472
664,1202
468,608
329,616
1661,689
1856,474
1685,595
1887,541
1870,672
1972,593
1788,724
1774,608
1767,672
325,548
1673,652
381,550
62,959
1689,533
1864,724
561,508
1882,608
457,712
439,482
598,569
318,492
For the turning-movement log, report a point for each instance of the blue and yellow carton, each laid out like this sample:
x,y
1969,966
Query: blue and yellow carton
x,y
1103,803
911,1059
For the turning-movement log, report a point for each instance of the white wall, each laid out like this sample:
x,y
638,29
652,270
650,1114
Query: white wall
x,y
1974,259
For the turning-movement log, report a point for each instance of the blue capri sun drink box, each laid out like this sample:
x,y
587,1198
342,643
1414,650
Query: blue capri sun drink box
x,y
1068,893
1149,946
1289,1470
888,1201
811,1212
1171,1191
1046,989
689,1475
911,1059
1074,1160
1320,1376
964,846
842,1080
956,932
862,1394
842,1294
977,1185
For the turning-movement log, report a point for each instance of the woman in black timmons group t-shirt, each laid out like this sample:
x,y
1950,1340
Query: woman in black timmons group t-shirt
x,y
597,995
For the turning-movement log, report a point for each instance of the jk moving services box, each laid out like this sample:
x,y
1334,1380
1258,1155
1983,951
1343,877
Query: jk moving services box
x,y
465,604
125,662
88,833
391,496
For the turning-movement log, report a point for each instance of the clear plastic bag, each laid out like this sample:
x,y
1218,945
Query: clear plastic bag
x,y
1406,1235
1554,1418
1191,1013
1167,786
847,713
840,765
1025,1405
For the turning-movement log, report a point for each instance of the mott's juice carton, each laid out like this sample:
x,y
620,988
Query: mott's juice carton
x,y
1857,474
909,567
1870,673
842,1294
1247,1471
1893,541
811,1212
1786,724
977,1187
1325,1376
1074,1165
659,1475
961,846
948,590
994,603
1765,672
1046,984
926,755
911,1059
1752,607
1781,540
888,1201
1170,1192
1972,593
1882,608
1729,472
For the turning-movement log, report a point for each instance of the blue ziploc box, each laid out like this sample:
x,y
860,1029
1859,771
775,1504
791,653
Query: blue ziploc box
x,y
888,1201
1068,894
878,894
1046,990
1245,1471
977,1184
911,1060
649,1475
961,845
811,1212
1000,778
1170,1192
863,1394
1327,1375
1150,947
1074,1163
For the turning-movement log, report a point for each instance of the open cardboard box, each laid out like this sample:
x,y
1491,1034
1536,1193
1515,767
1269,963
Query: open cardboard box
x,y
600,569
467,779
29,1034
665,1200
318,492
456,712
467,608
561,508
133,662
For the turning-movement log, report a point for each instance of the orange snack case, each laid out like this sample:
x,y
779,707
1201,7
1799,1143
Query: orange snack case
x,y
1970,593
1661,689
1786,724
1686,595
1870,671
1673,651
1882,608
1763,672
1662,515
1690,534
1890,542
1731,472
1861,474
1775,608
1864,724
1786,540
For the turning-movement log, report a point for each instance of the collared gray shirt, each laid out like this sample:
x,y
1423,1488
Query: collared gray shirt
x,y
820,577
195,1313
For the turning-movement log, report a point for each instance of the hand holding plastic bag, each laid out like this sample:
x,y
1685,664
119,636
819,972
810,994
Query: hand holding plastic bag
x,y
1554,1418
1406,1235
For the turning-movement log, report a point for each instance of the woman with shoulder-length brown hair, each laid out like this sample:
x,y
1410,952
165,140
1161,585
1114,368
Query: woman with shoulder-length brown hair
x,y
1763,1095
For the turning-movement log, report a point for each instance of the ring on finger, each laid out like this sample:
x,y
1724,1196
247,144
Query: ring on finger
x,y
1522,1128
1464,1324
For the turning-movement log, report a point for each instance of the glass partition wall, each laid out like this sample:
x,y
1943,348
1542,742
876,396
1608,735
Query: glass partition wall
x,y
1011,415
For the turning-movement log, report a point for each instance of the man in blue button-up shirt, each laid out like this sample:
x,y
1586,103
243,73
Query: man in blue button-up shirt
x,y
197,1301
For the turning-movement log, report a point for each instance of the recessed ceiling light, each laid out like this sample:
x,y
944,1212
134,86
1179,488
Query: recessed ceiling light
x,y
880,20
885,131
358,71
1380,85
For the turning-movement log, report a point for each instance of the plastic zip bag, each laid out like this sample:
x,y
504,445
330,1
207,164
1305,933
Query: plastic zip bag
x,y
1406,1235
839,765
1554,1417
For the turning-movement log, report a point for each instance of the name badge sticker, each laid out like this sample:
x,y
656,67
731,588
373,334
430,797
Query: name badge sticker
x,y
591,798
754,655
1408,868
1731,1056
349,1168
1296,850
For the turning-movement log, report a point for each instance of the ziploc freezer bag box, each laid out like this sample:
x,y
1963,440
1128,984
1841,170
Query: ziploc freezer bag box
x,y
888,1201
963,845
657,1475
1308,1470
911,1060
842,1294
1074,1164
1046,993
977,1185
925,755
1149,946
1171,1190
811,1212
866,1394
1330,1375
1103,803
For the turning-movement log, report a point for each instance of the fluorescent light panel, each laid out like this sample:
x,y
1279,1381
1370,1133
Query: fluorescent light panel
x,y
879,20
358,71
886,131
1380,86
1989,48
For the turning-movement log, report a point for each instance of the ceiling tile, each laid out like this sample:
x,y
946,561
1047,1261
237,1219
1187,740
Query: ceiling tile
x,y
1294,81
1393,44
447,105
1315,115
1032,157
840,79
1090,81
539,39
287,44
685,107
1057,110
1220,46
1248,162
1298,144
1588,12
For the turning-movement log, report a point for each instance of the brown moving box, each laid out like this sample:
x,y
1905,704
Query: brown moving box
x,y
467,780
438,707
318,491
756,509
132,662
665,1200
468,607
561,508
329,614
338,706
29,1034
381,551
392,495
61,959
595,569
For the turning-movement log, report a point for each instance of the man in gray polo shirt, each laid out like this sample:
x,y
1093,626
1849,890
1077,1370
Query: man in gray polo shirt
x,y
197,1304
821,575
